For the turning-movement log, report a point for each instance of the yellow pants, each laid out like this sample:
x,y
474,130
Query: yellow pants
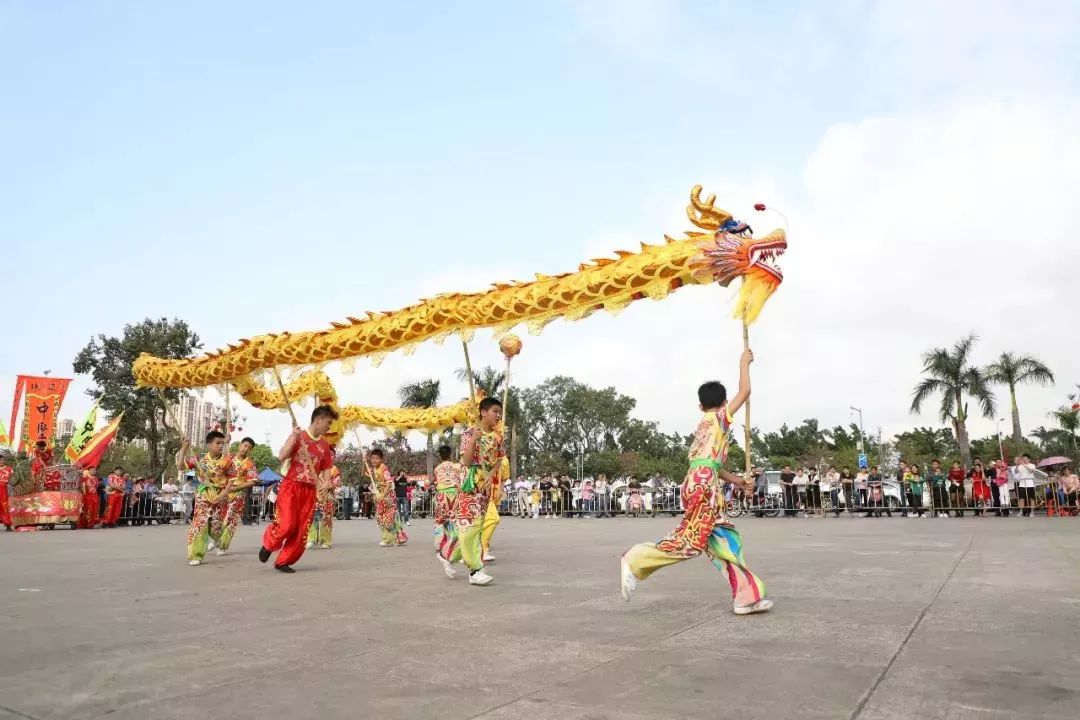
x,y
469,545
724,550
321,531
491,521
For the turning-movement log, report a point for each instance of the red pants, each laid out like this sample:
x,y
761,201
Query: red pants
x,y
114,504
89,516
5,515
294,511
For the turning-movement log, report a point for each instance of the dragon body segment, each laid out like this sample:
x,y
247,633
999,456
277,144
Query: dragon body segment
x,y
315,383
725,251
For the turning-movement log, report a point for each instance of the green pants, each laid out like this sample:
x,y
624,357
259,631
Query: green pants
x,y
469,545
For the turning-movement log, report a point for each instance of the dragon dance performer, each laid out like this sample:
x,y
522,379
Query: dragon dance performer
x,y
88,518
481,455
216,472
321,530
447,484
42,459
114,497
6,472
393,532
305,452
228,515
704,528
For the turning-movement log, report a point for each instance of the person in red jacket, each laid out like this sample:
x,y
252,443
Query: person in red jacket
x,y
5,477
114,498
309,459
956,489
89,516
980,488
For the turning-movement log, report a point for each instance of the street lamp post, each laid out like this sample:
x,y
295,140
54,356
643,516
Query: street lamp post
x,y
862,435
1001,447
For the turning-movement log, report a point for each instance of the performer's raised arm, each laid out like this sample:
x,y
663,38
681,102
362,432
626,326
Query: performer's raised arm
x,y
290,444
743,393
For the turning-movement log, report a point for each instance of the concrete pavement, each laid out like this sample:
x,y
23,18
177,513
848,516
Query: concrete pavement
x,y
875,619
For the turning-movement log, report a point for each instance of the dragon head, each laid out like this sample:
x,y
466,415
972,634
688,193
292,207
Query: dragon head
x,y
729,250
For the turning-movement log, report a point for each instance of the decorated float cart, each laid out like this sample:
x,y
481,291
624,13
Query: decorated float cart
x,y
32,505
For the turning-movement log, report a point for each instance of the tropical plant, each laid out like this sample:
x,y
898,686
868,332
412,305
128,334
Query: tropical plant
x,y
422,394
1011,370
950,373
108,361
1068,420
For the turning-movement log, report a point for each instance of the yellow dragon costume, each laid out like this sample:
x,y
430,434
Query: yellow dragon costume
x,y
723,250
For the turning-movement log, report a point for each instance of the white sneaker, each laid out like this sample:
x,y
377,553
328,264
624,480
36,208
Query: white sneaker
x,y
409,523
309,545
480,578
219,552
763,605
211,545
488,557
193,563
383,543
627,581
325,546
447,566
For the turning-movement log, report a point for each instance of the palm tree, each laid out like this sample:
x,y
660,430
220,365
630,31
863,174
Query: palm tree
x,y
1069,422
487,379
422,394
1012,370
949,372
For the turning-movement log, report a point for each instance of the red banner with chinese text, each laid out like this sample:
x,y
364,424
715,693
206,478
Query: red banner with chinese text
x,y
44,395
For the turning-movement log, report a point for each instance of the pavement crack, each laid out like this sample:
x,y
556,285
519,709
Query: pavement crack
x,y
16,713
903,643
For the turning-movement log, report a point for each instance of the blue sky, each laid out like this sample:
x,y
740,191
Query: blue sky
x,y
255,167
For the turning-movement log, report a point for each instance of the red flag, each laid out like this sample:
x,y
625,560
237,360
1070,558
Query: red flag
x,y
95,449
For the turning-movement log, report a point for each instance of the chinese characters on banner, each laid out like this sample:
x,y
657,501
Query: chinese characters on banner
x,y
42,406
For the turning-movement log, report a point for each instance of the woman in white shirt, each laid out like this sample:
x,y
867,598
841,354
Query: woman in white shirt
x,y
801,481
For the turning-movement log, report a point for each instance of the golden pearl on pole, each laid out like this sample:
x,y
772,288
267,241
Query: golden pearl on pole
x,y
510,345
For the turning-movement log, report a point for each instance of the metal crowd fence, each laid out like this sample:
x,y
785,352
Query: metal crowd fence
x,y
846,500
166,508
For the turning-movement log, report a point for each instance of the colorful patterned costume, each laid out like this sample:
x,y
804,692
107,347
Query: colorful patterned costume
x,y
209,515
5,513
321,530
296,500
246,472
114,499
89,516
704,528
472,501
447,483
393,533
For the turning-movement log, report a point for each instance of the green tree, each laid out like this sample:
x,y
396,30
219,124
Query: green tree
x,y
950,373
263,456
108,360
922,445
1011,370
422,394
1068,420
